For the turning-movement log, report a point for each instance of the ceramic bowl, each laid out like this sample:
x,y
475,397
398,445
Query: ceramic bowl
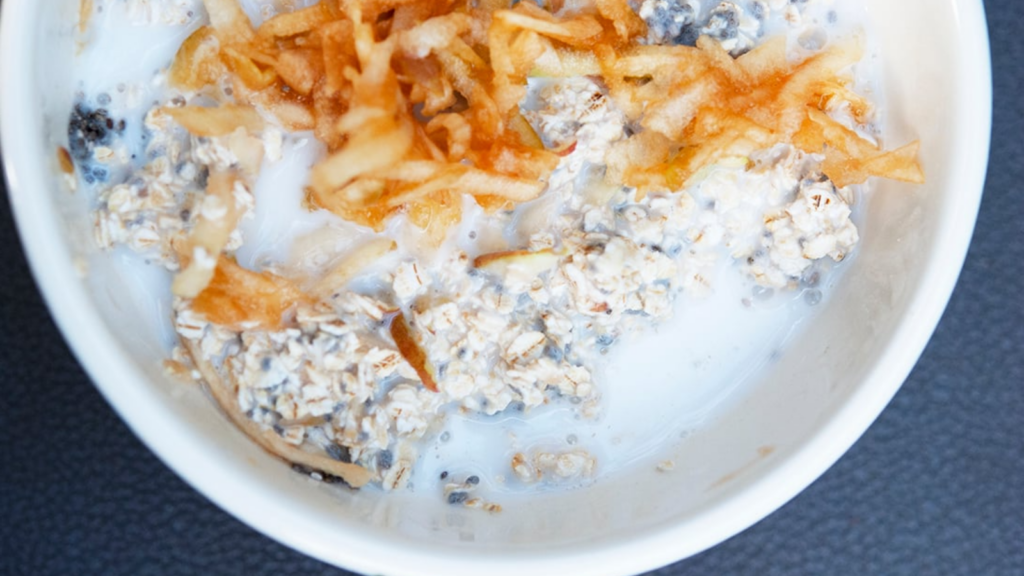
x,y
769,445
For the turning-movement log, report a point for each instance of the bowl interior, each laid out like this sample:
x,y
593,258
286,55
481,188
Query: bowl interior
x,y
772,441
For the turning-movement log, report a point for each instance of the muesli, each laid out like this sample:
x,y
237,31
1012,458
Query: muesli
x,y
523,185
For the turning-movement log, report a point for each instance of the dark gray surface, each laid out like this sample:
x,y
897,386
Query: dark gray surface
x,y
936,486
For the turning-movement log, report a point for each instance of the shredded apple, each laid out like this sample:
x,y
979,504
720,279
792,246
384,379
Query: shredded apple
x,y
418,104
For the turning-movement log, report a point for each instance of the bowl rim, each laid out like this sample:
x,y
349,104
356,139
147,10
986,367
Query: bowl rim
x,y
174,442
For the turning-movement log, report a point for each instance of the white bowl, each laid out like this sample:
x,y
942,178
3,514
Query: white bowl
x,y
770,445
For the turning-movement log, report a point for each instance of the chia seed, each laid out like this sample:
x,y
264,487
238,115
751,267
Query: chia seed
x,y
812,297
338,452
457,497
385,460
446,436
444,475
672,21
758,10
762,293
811,278
473,480
554,352
723,22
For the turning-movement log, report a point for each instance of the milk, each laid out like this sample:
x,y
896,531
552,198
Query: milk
x,y
657,386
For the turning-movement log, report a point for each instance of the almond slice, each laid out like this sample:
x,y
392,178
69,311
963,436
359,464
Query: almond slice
x,y
524,262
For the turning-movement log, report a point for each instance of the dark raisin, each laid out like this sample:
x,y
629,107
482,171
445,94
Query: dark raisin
x,y
457,497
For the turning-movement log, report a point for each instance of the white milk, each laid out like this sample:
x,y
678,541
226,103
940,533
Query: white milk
x,y
656,386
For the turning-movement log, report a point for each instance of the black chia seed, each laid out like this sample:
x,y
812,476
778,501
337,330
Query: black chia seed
x,y
203,177
339,453
687,36
457,497
385,460
758,10
473,480
554,352
444,475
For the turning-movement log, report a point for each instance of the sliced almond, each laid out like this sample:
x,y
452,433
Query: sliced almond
x,y
525,263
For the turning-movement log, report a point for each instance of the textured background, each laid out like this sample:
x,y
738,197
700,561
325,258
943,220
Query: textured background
x,y
936,486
